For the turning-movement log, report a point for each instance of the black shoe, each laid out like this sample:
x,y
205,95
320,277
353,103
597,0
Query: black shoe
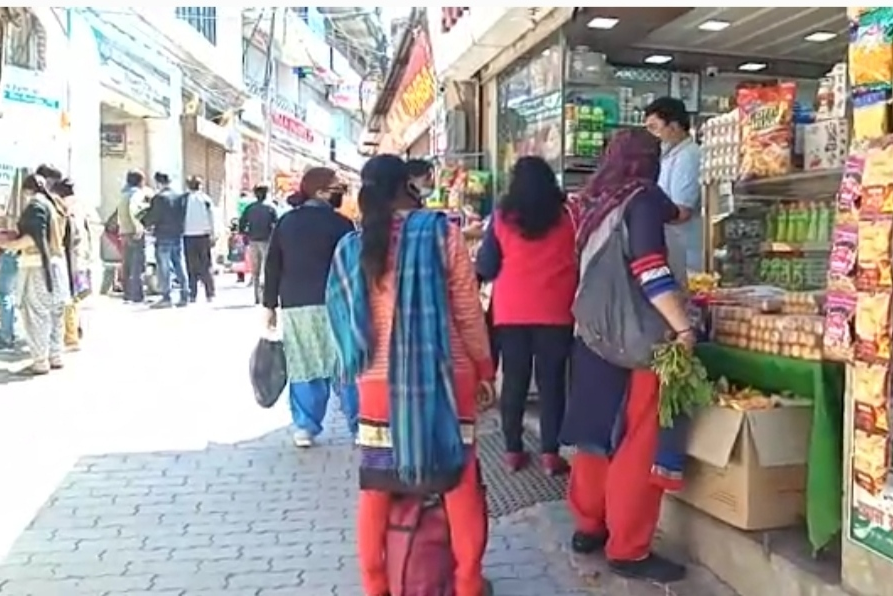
x,y
653,568
587,544
163,303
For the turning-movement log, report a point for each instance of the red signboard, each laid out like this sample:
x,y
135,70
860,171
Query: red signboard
x,y
293,126
416,92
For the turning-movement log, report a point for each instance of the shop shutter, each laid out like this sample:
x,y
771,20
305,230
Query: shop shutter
x,y
193,155
208,160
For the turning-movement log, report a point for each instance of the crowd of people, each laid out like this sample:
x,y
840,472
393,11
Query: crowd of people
x,y
44,271
391,316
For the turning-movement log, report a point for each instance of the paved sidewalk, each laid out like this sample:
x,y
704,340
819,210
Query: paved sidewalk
x,y
167,491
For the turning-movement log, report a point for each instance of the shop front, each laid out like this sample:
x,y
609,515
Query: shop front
x,y
206,147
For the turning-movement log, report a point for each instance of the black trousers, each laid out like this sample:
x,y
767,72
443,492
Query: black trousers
x,y
198,264
543,350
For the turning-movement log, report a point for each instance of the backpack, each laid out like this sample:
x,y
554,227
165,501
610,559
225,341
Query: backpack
x,y
614,317
419,555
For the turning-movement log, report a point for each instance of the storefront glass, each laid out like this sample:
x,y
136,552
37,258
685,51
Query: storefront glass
x,y
529,110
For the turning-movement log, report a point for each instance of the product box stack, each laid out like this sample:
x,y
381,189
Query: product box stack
x,y
857,324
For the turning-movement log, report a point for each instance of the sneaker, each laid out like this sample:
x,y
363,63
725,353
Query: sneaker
x,y
587,544
302,439
554,464
652,568
515,462
56,364
163,303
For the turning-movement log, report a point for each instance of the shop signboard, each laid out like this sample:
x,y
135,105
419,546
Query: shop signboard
x,y
871,521
297,131
412,111
125,71
27,89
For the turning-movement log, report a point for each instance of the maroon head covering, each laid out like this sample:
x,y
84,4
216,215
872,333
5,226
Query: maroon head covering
x,y
630,164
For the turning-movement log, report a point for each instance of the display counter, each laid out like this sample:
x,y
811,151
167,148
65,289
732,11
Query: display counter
x,y
823,383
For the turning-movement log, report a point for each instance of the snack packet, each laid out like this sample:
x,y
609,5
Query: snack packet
x,y
873,327
869,389
871,113
850,192
842,260
837,341
871,53
870,461
766,130
873,254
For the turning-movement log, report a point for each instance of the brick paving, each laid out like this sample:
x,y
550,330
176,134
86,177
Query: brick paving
x,y
236,510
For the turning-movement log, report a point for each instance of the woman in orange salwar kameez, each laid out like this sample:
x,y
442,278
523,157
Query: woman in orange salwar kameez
x,y
404,305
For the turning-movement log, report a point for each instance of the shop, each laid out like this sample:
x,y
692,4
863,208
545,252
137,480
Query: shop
x,y
206,146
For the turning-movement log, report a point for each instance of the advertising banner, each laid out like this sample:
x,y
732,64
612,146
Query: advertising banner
x,y
412,111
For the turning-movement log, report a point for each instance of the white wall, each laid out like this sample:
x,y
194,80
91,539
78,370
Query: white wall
x,y
84,97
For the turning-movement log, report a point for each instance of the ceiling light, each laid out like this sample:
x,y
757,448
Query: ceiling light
x,y
820,36
713,25
752,66
603,23
658,59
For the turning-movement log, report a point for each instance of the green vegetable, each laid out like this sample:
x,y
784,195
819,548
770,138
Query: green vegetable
x,y
684,386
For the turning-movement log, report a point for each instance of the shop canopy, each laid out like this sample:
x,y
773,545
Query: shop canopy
x,y
792,42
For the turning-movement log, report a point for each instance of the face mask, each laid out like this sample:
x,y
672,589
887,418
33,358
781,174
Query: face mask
x,y
336,199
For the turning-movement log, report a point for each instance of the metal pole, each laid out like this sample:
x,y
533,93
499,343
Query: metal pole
x,y
269,93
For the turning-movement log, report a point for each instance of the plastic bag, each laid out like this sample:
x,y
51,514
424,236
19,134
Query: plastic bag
x,y
268,373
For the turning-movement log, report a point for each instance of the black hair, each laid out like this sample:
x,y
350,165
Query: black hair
x,y
65,188
384,180
135,178
419,167
194,183
49,173
534,201
261,191
162,178
35,183
670,110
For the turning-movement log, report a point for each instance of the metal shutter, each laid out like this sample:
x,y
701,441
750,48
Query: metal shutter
x,y
208,160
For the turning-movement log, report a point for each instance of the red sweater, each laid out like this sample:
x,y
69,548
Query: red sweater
x,y
537,279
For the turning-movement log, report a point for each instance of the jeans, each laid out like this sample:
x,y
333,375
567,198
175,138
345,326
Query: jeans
x,y
308,401
169,260
134,267
9,268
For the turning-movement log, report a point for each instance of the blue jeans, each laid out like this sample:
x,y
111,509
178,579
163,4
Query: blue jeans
x,y
9,269
308,401
169,260
134,267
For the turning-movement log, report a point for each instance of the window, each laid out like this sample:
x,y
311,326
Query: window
x,y
202,18
25,43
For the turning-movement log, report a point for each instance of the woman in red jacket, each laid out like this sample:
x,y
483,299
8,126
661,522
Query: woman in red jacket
x,y
529,253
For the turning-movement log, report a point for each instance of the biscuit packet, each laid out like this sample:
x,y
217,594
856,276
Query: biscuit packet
x,y
872,328
837,338
843,256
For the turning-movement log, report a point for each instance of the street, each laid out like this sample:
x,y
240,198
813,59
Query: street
x,y
145,467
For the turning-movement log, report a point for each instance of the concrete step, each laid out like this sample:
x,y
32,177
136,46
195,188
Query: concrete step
x,y
751,563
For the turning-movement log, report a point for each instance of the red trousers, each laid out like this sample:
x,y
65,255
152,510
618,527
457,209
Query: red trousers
x,y
466,505
618,495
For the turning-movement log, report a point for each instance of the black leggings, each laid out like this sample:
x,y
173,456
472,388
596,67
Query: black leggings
x,y
543,350
199,265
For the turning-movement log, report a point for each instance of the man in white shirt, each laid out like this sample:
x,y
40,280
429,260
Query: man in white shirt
x,y
667,119
199,236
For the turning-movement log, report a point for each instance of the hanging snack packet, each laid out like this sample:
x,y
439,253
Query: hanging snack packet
x,y
842,260
837,341
766,130
873,326
870,461
877,178
873,254
869,390
871,53
871,113
850,192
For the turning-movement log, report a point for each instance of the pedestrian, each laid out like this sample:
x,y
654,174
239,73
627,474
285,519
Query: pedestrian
x,y
131,208
81,257
404,305
297,266
199,237
421,177
43,284
624,461
528,253
166,218
257,223
9,267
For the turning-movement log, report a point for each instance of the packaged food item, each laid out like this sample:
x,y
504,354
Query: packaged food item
x,y
877,178
825,144
873,254
871,113
840,311
870,396
766,133
871,54
850,191
870,460
842,260
873,326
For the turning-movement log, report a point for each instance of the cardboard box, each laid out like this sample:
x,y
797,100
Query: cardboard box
x,y
748,469
825,144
